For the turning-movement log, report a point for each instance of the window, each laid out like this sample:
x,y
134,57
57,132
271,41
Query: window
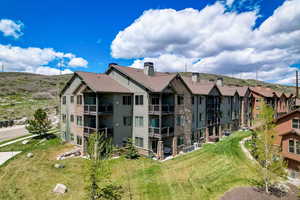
x,y
294,146
193,101
64,118
72,118
200,116
180,140
139,121
296,123
72,136
180,99
127,121
155,100
127,100
297,147
79,120
72,99
78,140
139,141
139,100
180,120
64,100
200,100
79,99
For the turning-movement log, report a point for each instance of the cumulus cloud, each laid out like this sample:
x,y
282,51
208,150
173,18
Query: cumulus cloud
x,y
78,62
33,59
215,40
11,28
52,71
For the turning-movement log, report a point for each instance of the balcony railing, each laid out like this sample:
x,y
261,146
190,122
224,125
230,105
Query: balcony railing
x,y
161,132
164,108
108,132
102,109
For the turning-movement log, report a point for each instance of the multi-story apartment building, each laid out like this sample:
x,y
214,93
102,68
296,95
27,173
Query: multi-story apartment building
x,y
282,103
288,139
206,99
162,112
95,102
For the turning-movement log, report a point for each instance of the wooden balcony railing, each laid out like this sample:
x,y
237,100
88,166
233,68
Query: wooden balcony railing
x,y
102,109
107,131
164,108
161,132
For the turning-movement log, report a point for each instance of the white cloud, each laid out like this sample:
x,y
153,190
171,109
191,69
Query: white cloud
x,y
33,59
78,62
11,28
215,41
52,71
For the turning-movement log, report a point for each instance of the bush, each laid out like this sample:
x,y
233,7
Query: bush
x,y
131,152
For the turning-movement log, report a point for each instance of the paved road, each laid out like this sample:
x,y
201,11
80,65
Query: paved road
x,y
12,132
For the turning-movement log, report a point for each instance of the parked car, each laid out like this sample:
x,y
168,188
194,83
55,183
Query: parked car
x,y
226,132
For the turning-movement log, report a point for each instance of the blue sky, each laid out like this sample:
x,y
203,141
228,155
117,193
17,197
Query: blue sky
x,y
86,29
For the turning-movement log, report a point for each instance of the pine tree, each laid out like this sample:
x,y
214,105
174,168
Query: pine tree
x,y
40,124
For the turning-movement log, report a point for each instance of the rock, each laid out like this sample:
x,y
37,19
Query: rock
x,y
25,141
60,188
29,155
57,165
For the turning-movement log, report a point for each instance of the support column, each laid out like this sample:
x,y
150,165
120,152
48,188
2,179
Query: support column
x,y
97,110
206,134
160,150
160,113
174,146
242,122
220,131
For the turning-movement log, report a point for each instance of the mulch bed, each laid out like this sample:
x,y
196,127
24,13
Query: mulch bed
x,y
251,193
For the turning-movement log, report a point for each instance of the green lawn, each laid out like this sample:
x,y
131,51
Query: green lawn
x,y
204,174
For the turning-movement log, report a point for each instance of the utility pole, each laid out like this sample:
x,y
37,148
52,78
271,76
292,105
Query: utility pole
x,y
297,89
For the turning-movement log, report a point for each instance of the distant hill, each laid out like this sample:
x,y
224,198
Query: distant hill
x,y
22,93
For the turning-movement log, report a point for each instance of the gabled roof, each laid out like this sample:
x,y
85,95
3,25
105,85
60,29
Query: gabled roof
x,y
102,83
155,83
286,115
242,90
98,82
227,90
266,92
198,87
294,131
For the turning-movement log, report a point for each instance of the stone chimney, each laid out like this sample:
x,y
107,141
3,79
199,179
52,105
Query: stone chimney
x,y
195,77
220,81
149,68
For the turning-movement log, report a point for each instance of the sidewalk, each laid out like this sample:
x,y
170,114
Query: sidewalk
x,y
17,140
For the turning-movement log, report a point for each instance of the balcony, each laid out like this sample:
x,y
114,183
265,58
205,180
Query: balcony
x,y
164,109
108,132
160,133
102,109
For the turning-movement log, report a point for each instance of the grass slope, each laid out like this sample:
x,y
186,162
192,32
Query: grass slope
x,y
203,174
22,93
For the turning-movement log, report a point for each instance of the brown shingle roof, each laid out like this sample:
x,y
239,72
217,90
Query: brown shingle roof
x,y
101,83
242,90
198,87
266,92
156,83
227,90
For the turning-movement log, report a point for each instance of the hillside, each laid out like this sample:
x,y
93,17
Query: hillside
x,y
22,93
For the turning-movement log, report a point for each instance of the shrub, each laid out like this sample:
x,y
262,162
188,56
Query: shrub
x,y
131,152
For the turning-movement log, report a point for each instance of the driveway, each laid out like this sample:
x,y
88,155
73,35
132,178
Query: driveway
x,y
12,132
